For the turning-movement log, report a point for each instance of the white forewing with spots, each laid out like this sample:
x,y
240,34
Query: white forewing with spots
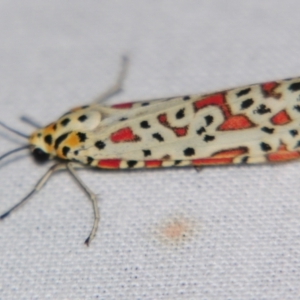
x,y
251,124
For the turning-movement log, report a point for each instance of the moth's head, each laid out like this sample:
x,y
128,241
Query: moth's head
x,y
41,143
37,146
56,139
68,132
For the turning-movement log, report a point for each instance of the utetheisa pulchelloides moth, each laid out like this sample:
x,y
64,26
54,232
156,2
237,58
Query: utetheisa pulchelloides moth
x,y
251,124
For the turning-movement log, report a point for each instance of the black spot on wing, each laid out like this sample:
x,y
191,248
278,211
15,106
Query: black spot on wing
x,y
82,118
65,122
297,107
185,98
243,92
145,124
180,114
89,160
262,109
294,132
100,145
208,119
60,139
123,119
265,147
147,153
82,136
189,152
158,137
201,130
294,87
246,103
208,138
131,163
267,130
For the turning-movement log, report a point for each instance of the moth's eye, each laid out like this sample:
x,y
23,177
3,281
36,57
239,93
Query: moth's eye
x,y
40,155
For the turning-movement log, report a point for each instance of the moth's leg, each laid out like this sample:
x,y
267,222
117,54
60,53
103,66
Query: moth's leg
x,y
91,196
29,121
117,87
39,185
198,168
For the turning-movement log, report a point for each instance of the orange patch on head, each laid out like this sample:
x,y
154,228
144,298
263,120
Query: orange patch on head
x,y
236,123
281,118
48,129
72,140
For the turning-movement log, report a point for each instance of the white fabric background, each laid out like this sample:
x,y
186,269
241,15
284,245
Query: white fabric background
x,y
223,233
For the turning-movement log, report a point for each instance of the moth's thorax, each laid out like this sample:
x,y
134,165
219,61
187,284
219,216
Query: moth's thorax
x,y
68,133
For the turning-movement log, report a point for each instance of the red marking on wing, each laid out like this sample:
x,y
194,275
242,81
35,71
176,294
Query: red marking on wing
x,y
180,131
153,163
162,119
124,135
268,89
217,99
269,86
211,161
231,153
282,154
281,118
123,105
236,123
221,158
109,163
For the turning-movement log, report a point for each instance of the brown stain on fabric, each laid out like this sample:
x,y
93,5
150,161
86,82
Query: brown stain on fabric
x,y
176,230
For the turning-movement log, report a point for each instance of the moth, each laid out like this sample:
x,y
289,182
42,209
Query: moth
x,y
252,124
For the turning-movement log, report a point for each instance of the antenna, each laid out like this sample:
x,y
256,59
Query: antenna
x,y
14,131
13,151
29,121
